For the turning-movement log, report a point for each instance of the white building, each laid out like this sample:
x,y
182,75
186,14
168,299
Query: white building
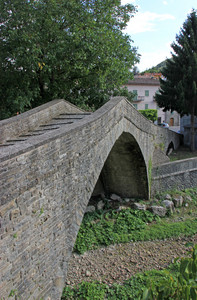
x,y
145,88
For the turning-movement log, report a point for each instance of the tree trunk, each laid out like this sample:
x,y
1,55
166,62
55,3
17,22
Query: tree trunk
x,y
192,136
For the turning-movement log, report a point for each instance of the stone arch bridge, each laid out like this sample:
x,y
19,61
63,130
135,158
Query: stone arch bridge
x,y
52,159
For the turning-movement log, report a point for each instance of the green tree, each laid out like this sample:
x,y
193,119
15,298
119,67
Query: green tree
x,y
73,49
150,114
178,88
124,92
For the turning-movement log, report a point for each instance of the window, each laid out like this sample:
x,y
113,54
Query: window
x,y
135,93
135,105
147,93
146,106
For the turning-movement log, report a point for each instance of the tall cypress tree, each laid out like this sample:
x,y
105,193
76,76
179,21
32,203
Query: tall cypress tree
x,y
179,86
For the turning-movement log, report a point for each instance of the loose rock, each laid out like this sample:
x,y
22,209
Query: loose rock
x,y
158,210
90,208
139,206
178,201
115,197
169,205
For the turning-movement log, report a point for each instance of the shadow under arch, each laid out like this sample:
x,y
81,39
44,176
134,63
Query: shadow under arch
x,y
170,148
124,172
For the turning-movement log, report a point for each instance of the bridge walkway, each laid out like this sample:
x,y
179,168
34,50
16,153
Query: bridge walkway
x,y
61,120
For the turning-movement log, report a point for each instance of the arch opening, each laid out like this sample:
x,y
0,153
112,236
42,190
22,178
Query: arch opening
x,y
124,172
170,148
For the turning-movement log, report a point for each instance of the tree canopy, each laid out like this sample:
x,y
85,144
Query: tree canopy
x,y
73,49
179,86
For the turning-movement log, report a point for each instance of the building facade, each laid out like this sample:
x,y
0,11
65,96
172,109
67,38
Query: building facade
x,y
145,87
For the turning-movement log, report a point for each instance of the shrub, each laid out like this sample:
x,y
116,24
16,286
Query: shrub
x,y
183,285
150,114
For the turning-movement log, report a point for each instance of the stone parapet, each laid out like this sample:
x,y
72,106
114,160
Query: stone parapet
x,y
174,175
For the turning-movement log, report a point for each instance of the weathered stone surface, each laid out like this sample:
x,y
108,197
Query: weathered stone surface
x,y
139,206
168,197
47,180
188,198
127,200
115,197
158,210
90,208
178,201
169,205
122,207
100,205
178,174
88,274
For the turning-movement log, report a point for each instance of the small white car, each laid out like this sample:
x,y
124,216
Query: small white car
x,y
164,125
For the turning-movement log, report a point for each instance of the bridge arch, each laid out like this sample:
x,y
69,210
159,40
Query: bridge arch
x,y
48,176
124,171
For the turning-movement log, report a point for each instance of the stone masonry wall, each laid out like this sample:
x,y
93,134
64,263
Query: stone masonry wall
x,y
46,184
174,175
31,119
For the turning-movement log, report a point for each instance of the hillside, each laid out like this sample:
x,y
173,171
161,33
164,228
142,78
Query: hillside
x,y
156,69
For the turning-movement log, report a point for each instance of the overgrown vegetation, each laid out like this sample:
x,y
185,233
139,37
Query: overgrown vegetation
x,y
105,227
182,153
150,114
114,226
181,285
176,282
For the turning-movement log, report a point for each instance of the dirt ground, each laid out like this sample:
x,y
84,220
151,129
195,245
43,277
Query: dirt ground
x,y
117,263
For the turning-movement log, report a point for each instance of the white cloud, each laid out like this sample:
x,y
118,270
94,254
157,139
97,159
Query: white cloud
x,y
165,2
123,2
146,21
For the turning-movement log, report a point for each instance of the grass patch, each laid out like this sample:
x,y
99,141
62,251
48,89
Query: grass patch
x,y
178,281
131,289
102,228
182,153
112,226
126,227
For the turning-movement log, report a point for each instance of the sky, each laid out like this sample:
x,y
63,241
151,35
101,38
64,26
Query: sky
x,y
154,27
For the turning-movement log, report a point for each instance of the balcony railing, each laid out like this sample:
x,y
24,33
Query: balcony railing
x,y
139,98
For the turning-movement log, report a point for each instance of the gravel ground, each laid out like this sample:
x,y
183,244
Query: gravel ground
x,y
119,262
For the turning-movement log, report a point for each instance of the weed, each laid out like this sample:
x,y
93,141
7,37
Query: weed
x,y
13,293
172,283
181,285
113,227
41,211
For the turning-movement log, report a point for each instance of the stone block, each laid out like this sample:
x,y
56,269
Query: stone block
x,y
178,201
158,210
169,205
168,197
139,206
115,197
90,208
100,205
